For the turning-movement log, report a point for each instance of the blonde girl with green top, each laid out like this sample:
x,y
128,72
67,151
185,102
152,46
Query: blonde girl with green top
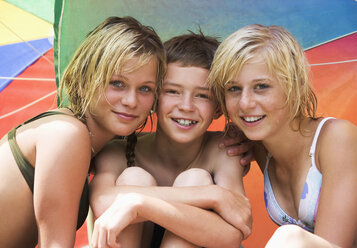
x,y
111,86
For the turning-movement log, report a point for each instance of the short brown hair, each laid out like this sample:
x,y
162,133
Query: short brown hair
x,y
191,50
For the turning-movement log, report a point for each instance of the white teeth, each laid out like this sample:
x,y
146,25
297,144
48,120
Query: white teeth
x,y
252,119
185,122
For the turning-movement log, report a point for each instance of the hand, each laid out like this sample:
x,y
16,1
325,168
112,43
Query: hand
x,y
235,209
237,144
115,219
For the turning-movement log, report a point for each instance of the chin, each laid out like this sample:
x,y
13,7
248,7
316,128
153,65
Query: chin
x,y
181,139
254,136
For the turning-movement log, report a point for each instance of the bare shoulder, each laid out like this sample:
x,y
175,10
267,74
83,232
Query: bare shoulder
x,y
63,131
216,156
63,126
338,144
210,146
62,142
227,170
338,133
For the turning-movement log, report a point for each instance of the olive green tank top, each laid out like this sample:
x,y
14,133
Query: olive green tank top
x,y
28,171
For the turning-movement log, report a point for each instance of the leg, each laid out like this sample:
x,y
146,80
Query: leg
x,y
132,236
191,177
295,237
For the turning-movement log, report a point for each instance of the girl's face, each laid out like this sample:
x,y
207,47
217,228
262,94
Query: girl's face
x,y
128,99
186,107
255,101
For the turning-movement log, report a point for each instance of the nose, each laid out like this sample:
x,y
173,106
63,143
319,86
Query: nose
x,y
186,103
246,100
129,98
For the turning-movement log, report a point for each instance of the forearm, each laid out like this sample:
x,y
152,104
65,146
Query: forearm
x,y
199,196
196,225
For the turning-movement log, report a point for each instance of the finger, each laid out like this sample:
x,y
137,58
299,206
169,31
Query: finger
x,y
238,149
112,238
228,141
246,231
102,238
94,240
246,170
244,224
247,157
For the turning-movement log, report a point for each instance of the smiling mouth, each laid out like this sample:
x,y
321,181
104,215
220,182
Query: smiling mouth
x,y
184,122
125,115
252,119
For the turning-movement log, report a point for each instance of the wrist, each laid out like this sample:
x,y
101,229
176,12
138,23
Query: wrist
x,y
134,201
215,193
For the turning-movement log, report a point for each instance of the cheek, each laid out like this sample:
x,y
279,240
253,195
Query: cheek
x,y
111,96
275,104
231,105
209,108
146,103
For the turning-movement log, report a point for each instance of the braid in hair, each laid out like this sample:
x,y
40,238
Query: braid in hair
x,y
130,148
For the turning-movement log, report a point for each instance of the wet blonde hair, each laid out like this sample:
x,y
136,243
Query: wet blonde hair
x,y
104,52
285,60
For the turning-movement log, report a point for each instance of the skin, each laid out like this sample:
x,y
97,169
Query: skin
x,y
179,149
255,103
295,237
50,214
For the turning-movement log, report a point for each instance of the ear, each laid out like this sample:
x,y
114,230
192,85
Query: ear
x,y
218,112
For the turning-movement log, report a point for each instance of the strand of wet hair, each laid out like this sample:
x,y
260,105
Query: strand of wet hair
x,y
130,149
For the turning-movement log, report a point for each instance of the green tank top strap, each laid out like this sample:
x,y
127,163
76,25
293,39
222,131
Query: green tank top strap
x,y
28,171
24,165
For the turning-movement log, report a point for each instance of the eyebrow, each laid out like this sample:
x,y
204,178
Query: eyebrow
x,y
254,80
125,78
180,86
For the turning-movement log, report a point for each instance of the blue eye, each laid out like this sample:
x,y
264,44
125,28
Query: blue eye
x,y
261,86
145,89
233,89
205,96
170,91
117,83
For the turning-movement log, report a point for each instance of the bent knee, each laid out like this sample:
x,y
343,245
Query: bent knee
x,y
193,177
136,176
288,234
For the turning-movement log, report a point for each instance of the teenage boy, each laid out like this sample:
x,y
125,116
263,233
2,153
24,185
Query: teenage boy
x,y
177,177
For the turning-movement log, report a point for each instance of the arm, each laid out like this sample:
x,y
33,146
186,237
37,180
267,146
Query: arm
x,y
62,161
336,219
237,144
228,173
110,163
190,202
178,218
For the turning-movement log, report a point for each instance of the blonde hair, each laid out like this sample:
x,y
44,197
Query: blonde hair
x,y
285,60
104,52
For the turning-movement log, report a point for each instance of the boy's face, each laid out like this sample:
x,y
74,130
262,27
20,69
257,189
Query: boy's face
x,y
186,107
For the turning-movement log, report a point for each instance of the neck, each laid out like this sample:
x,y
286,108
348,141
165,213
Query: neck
x,y
98,136
287,146
179,156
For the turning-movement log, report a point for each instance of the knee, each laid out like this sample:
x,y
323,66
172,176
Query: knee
x,y
136,176
287,235
193,177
